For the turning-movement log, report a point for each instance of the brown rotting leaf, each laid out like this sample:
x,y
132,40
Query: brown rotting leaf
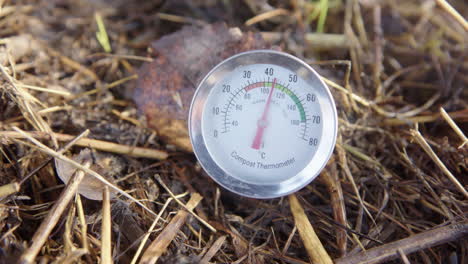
x,y
166,85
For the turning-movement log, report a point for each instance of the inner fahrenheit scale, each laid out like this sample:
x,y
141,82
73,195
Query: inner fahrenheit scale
x,y
284,88
262,123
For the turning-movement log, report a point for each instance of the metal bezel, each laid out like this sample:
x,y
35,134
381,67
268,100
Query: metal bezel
x,y
317,162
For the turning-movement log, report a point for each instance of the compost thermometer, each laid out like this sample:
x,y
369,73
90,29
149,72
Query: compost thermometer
x,y
263,124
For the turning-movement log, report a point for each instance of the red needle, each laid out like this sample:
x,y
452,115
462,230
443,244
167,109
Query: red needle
x,y
262,123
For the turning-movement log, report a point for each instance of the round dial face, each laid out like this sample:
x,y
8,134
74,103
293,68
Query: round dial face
x,y
263,124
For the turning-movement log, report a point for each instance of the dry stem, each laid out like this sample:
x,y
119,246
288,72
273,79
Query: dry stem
x,y
8,189
454,126
49,151
310,239
183,205
160,244
52,217
96,144
213,250
153,225
409,245
265,16
427,148
449,9
106,241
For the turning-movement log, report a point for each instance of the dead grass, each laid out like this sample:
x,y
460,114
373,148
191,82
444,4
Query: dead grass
x,y
396,182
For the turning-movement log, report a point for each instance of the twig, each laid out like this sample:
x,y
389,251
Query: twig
x,y
68,246
8,189
106,244
145,238
403,257
408,245
96,144
344,164
451,11
425,118
122,56
27,104
315,41
378,51
158,178
106,87
178,19
421,176
42,89
75,164
352,95
310,239
160,244
84,227
265,16
427,148
339,211
213,250
153,225
327,41
52,217
60,151
288,242
126,118
71,63
454,126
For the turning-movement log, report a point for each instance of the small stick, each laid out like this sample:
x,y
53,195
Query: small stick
x,y
8,189
126,118
68,246
84,227
153,225
122,56
96,144
338,206
72,64
403,257
427,148
178,19
459,115
327,41
158,178
310,239
213,250
106,241
60,151
160,244
47,90
266,15
449,9
77,165
408,245
454,126
378,52
316,41
288,242
52,217
106,87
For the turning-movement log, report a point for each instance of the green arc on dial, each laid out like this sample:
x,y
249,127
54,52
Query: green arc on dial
x,y
285,90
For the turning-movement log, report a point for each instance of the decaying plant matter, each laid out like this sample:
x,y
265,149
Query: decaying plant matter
x,y
394,190
166,85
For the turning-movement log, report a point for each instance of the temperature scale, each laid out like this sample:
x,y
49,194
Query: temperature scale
x,y
263,124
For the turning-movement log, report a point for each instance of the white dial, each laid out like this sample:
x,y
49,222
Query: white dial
x,y
263,124
260,126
